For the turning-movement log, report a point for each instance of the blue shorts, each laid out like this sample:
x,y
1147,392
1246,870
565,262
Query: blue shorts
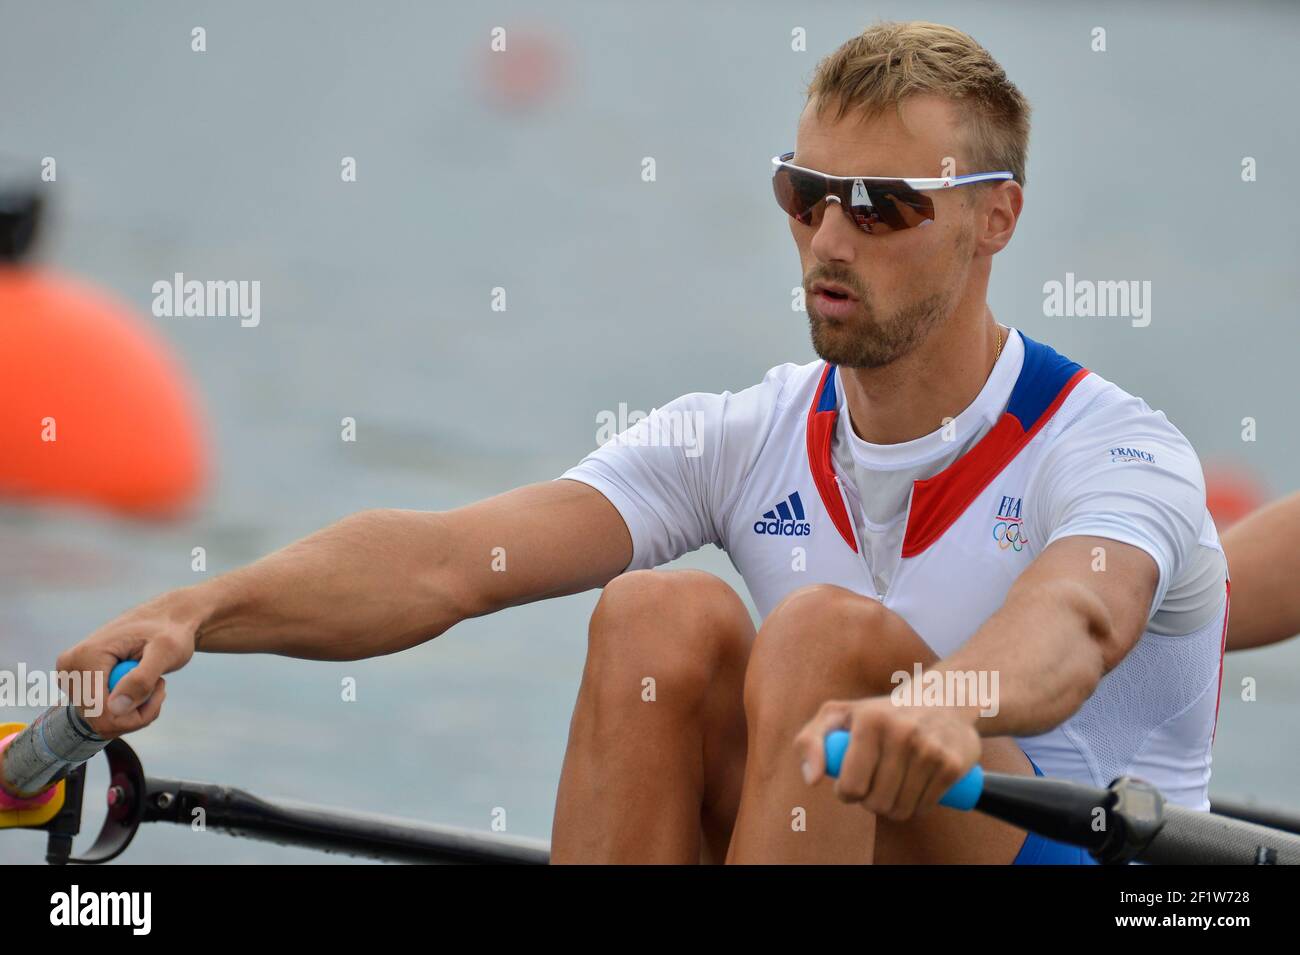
x,y
1039,850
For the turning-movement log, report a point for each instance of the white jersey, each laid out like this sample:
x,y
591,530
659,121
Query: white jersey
x,y
1071,454
881,478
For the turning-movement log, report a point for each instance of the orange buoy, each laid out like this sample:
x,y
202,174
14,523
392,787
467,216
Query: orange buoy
x,y
526,72
93,407
1231,492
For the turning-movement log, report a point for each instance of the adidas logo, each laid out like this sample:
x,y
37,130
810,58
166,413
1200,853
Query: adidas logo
x,y
785,520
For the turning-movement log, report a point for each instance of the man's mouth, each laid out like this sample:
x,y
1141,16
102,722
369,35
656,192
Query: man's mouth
x,y
833,301
833,291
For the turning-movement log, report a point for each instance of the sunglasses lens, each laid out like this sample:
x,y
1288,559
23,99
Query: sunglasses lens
x,y
890,207
799,194
878,207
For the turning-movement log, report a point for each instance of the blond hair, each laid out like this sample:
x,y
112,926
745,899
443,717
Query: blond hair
x,y
889,62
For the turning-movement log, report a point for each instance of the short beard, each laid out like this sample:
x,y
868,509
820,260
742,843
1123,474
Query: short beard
x,y
874,344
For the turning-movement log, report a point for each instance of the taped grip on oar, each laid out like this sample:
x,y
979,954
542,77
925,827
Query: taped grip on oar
x,y
964,794
122,669
31,812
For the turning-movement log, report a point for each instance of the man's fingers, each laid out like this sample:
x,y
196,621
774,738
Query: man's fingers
x,y
149,711
132,690
860,760
160,656
916,785
77,669
887,780
810,743
112,726
943,778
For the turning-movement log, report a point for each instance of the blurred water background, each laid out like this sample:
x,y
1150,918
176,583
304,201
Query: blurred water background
x,y
375,304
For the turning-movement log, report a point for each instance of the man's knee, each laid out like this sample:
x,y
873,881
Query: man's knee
x,y
681,629
823,642
824,622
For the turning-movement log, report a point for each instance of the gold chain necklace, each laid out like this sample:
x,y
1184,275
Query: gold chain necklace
x,y
998,352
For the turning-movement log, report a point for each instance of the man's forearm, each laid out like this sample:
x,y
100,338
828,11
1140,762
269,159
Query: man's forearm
x,y
1048,647
368,585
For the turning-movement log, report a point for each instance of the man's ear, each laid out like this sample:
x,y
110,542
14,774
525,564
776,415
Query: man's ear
x,y
1001,211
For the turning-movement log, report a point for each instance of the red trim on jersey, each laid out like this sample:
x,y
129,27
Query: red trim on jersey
x,y
821,430
938,501
1223,649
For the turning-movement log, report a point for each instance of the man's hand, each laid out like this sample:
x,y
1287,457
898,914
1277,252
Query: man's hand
x,y
160,634
901,759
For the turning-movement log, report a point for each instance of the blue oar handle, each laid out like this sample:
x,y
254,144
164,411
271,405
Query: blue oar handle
x,y
122,669
964,794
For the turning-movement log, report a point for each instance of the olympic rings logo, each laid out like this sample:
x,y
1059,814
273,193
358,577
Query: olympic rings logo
x,y
1009,534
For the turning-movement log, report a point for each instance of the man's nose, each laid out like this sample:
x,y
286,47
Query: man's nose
x,y
837,234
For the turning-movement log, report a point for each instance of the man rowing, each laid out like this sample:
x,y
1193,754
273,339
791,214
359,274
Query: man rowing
x,y
938,495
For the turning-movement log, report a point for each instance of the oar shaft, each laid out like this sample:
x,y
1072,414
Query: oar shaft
x,y
369,835
1188,837
1135,821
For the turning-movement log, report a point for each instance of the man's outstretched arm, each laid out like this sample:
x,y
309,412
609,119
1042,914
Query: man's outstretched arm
x,y
374,583
1263,551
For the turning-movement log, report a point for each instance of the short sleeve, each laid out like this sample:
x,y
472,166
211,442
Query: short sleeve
x,y
1124,473
672,474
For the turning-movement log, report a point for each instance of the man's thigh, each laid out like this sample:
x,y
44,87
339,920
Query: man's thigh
x,y
872,643
725,749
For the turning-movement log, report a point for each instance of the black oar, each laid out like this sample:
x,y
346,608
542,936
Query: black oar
x,y
42,786
136,799
1129,821
1271,816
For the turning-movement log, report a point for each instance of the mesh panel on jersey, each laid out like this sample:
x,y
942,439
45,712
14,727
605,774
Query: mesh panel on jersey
x,y
1159,679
